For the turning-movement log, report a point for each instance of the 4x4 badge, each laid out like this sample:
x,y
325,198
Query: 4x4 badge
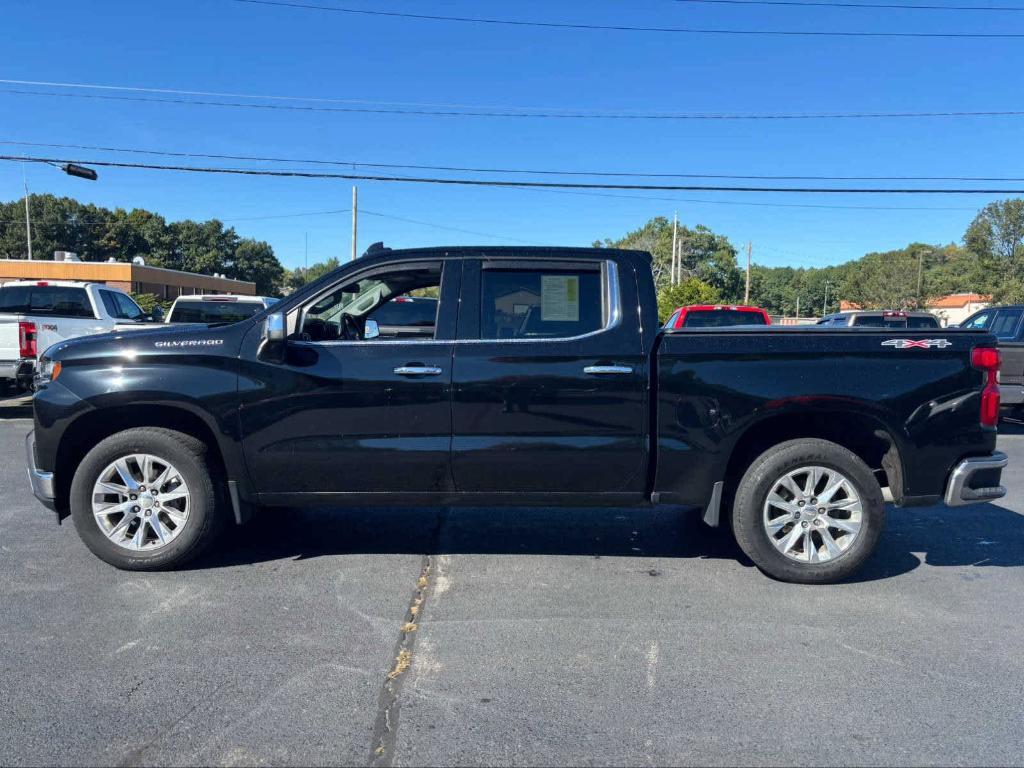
x,y
917,343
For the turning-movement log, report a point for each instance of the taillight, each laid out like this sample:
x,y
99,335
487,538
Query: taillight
x,y
26,339
987,359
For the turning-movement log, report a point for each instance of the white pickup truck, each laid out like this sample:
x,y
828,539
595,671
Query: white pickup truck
x,y
36,314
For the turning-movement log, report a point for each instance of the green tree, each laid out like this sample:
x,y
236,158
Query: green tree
x,y
705,255
254,261
96,233
692,290
298,277
996,239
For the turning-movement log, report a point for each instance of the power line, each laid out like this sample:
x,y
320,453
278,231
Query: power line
x,y
474,111
760,204
518,183
626,28
283,215
525,171
882,6
543,115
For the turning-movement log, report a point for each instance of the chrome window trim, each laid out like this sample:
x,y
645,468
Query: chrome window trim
x,y
612,296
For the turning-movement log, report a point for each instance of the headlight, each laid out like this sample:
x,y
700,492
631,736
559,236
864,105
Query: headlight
x,y
46,371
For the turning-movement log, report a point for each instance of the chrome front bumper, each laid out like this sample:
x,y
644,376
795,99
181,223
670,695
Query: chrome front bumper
x,y
976,480
43,487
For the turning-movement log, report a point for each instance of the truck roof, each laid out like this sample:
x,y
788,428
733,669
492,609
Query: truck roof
x,y
54,283
223,297
381,254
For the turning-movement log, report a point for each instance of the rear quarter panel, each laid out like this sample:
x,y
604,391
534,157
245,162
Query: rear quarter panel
x,y
713,386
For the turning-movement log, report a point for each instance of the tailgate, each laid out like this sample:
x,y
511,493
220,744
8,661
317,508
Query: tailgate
x,y
9,346
1012,371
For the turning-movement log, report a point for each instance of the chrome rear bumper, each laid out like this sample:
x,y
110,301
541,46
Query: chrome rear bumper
x,y
1011,394
43,487
976,480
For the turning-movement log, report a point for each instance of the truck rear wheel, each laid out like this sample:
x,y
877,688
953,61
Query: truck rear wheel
x,y
808,511
144,499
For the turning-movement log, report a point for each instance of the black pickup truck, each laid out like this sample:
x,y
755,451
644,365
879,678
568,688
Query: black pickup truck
x,y
545,380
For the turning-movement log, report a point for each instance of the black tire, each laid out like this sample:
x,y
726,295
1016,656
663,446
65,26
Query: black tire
x,y
207,510
758,482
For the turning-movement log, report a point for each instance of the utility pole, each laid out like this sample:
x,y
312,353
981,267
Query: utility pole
x,y
920,274
355,218
28,222
746,294
798,306
824,304
675,241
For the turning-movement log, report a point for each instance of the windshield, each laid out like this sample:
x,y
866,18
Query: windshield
x,y
719,318
214,311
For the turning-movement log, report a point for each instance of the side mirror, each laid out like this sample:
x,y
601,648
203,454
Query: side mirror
x,y
276,328
371,330
273,347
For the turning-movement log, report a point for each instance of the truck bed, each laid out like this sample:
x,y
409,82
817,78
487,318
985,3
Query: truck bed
x,y
917,404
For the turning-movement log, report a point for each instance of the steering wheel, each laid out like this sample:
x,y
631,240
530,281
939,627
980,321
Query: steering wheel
x,y
350,330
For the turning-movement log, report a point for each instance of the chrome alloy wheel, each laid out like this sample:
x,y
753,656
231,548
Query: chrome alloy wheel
x,y
812,514
140,502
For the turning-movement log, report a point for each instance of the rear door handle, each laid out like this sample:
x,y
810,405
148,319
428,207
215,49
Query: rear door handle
x,y
605,370
418,370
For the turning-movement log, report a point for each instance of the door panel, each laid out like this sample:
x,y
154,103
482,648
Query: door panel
x,y
341,420
527,416
353,416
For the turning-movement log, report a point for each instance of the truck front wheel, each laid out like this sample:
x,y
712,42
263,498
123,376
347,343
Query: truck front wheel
x,y
144,499
808,511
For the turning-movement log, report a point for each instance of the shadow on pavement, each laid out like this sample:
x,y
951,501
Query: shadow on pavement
x,y
986,535
598,532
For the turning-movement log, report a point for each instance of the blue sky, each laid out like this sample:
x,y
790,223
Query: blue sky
x,y
219,45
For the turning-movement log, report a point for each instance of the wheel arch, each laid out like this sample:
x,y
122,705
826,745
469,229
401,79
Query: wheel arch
x,y
91,427
864,434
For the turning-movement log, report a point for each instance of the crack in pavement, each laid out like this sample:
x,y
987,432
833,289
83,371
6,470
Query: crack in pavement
x,y
385,729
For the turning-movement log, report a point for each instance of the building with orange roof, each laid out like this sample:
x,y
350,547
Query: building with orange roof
x,y
957,307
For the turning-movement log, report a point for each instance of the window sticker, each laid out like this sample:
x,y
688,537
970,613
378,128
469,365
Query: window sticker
x,y
560,298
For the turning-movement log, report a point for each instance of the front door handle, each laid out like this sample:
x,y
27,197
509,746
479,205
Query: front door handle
x,y
606,370
418,370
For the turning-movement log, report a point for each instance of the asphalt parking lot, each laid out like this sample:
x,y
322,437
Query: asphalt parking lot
x,y
546,637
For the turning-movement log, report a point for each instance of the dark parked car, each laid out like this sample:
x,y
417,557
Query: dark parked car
x,y
1005,324
547,380
863,318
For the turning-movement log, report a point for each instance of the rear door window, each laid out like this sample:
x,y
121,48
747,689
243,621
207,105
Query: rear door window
x,y
540,303
1006,324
